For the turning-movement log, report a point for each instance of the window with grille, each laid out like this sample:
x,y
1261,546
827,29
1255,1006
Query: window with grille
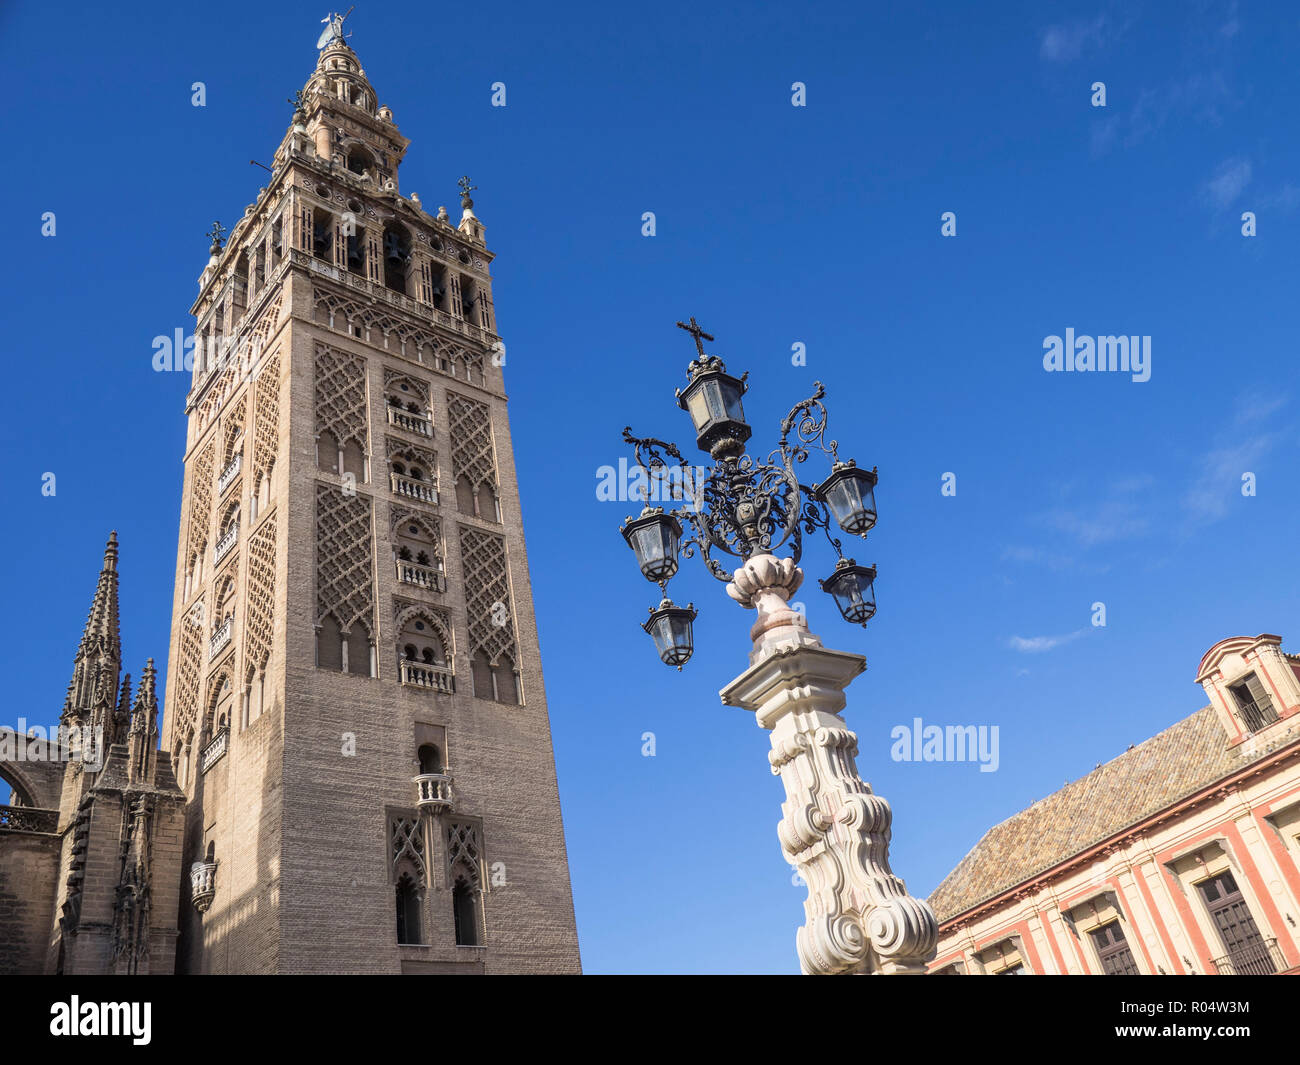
x,y
1254,706
1248,953
1113,951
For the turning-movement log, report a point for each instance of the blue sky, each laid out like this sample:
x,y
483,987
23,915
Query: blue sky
x,y
776,225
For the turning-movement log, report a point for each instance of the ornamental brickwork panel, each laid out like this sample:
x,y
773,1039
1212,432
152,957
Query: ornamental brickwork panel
x,y
487,595
341,396
345,558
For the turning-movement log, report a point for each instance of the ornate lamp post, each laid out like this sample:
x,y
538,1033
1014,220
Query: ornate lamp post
x,y
835,832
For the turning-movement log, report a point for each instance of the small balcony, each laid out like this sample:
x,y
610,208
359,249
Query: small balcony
x,y
426,577
429,676
433,791
1257,715
213,751
228,540
422,491
221,637
203,885
1258,957
410,421
228,475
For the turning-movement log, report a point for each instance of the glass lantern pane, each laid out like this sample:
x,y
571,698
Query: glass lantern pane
x,y
698,407
713,390
731,395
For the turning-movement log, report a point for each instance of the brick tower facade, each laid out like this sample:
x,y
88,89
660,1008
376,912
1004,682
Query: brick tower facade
x,y
355,709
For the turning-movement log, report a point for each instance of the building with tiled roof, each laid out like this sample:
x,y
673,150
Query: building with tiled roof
x,y
1181,856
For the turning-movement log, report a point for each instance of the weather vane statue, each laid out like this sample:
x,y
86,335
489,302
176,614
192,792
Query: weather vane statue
x,y
334,28
465,189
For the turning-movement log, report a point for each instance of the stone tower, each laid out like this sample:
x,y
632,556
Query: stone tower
x,y
355,706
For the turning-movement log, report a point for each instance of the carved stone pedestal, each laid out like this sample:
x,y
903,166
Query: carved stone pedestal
x,y
835,831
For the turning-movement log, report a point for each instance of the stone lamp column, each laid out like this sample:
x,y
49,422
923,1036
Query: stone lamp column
x,y
835,831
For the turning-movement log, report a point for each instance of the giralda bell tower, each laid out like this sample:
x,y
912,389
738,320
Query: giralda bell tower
x,y
355,704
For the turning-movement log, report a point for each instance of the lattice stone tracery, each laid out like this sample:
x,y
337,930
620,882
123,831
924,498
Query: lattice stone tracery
x,y
201,499
233,429
487,595
407,843
463,850
189,674
472,453
341,396
266,416
344,558
238,361
259,624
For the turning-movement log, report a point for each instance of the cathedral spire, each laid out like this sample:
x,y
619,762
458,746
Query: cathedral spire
x,y
143,739
121,719
99,655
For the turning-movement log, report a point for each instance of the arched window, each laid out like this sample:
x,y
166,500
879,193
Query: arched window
x,y
329,644
356,241
360,160
464,901
322,236
506,681
430,759
420,642
415,541
482,676
487,502
408,910
222,705
225,604
464,495
359,651
397,257
354,460
327,452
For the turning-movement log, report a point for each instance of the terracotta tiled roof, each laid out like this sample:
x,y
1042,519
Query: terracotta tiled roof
x,y
1172,765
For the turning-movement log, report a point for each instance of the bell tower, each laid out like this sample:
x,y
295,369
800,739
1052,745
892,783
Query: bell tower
x,y
355,708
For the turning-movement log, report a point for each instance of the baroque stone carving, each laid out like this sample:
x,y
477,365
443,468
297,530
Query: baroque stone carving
x,y
835,831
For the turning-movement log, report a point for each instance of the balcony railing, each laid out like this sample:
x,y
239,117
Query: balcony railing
x,y
421,576
228,475
427,675
221,637
424,491
213,751
225,544
433,792
411,422
203,885
1259,957
1255,715
28,819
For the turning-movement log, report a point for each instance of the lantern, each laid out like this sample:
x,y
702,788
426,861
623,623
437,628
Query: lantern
x,y
654,538
850,493
853,590
670,627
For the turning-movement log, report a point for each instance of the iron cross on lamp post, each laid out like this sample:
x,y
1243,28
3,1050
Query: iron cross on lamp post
x,y
835,831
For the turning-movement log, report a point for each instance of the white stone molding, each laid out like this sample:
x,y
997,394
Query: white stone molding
x,y
835,832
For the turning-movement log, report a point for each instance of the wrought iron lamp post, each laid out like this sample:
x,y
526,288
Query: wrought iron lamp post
x,y
835,831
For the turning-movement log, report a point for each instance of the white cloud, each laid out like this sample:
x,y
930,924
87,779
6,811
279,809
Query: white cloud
x,y
1032,645
1067,42
1229,182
